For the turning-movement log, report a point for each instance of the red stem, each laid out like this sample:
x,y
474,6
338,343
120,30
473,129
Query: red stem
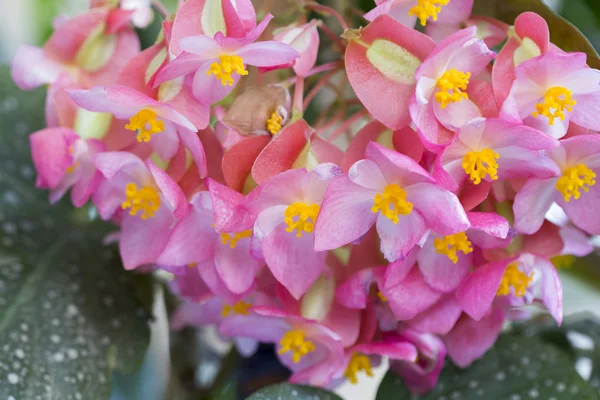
x,y
315,90
346,125
299,95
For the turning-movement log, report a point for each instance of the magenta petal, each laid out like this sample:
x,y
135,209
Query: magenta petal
x,y
235,266
489,223
551,288
584,212
440,208
394,350
411,296
398,239
439,271
345,214
268,54
292,259
50,154
395,167
169,188
142,241
471,339
531,204
191,141
354,293
478,291
440,318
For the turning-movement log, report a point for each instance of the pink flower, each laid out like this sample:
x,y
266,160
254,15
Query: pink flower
x,y
153,121
408,11
494,149
92,48
287,208
393,192
553,89
223,259
441,102
492,31
572,186
232,18
312,351
63,161
218,63
151,202
420,375
446,260
305,39
514,282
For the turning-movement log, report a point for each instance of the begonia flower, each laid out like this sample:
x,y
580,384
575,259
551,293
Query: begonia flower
x,y
407,12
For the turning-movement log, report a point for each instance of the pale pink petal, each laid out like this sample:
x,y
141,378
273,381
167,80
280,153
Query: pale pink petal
x,y
439,271
31,68
398,239
50,154
268,54
439,318
531,204
368,175
584,212
235,266
395,167
411,296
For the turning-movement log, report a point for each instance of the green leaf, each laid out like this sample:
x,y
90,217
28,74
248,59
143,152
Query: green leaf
x,y
68,312
517,367
292,392
562,33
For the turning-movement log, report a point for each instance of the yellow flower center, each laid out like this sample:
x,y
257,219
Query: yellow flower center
x,y
301,217
358,362
573,179
145,200
146,125
452,244
239,308
232,240
381,297
515,278
556,101
479,164
274,123
563,261
427,9
451,86
392,202
226,66
294,341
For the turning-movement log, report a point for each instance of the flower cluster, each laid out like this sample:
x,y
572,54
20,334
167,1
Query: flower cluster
x,y
471,179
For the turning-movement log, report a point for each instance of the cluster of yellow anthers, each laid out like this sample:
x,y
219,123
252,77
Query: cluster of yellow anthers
x,y
556,101
392,202
145,122
358,362
239,308
301,217
145,200
237,236
227,65
573,179
514,278
426,9
451,244
451,85
479,164
274,123
294,341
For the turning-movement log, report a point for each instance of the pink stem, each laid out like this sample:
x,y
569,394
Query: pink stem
x,y
327,10
299,95
346,125
160,7
315,90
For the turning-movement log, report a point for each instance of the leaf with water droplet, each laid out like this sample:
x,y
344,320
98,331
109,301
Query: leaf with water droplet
x,y
59,337
292,392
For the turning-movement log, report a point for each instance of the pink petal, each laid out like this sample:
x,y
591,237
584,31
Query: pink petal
x,y
235,266
267,54
358,145
66,41
584,212
531,204
411,296
373,82
184,64
477,292
169,188
50,154
31,68
490,223
191,141
238,161
345,214
438,319
396,167
398,239
439,271
469,340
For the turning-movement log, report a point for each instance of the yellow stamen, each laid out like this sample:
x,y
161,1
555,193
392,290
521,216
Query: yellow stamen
x,y
274,123
451,86
452,244
239,308
226,237
146,200
226,66
556,101
358,362
294,341
192,265
515,278
392,202
307,216
381,297
563,261
573,179
71,168
146,124
427,9
479,164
